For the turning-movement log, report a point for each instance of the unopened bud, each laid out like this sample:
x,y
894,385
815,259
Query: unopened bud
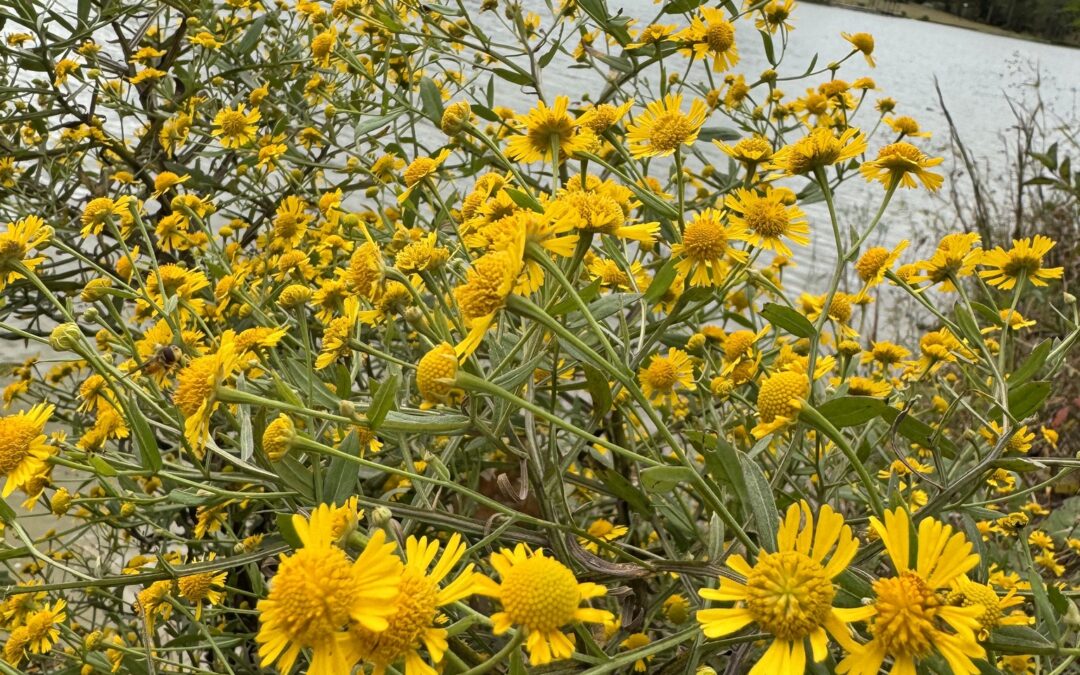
x,y
65,337
380,516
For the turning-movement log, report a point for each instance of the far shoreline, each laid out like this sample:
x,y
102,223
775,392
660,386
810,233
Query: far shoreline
x,y
917,12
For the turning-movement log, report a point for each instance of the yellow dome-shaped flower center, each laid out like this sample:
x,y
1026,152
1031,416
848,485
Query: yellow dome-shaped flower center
x,y
661,374
540,593
720,36
322,44
1024,263
597,211
871,262
669,130
738,344
438,364
487,287
196,384
233,123
766,217
840,307
543,128
789,594
777,393
421,168
754,148
705,239
197,587
972,594
417,605
312,594
17,433
906,611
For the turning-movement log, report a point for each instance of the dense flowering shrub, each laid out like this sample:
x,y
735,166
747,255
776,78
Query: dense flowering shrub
x,y
345,362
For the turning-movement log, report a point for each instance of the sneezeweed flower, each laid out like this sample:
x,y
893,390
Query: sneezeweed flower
x,y
789,593
1020,442
488,283
600,118
818,149
710,35
899,164
197,388
100,210
906,126
541,595
774,15
322,47
662,128
706,248
955,258
24,448
750,151
1023,262
995,609
768,218
545,129
604,530
290,223
665,374
435,375
278,437
779,400
318,594
16,242
875,262
636,641
862,42
909,619
236,128
416,618
652,34
204,587
42,627
419,169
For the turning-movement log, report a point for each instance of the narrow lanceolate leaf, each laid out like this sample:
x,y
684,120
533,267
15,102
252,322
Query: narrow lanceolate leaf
x,y
760,503
850,411
788,320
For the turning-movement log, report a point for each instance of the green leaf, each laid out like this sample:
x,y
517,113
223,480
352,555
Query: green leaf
x,y
788,319
102,467
917,431
251,36
660,284
988,314
760,503
1058,600
567,305
682,6
514,76
766,41
145,441
7,514
1027,398
661,479
288,532
188,498
83,11
1044,611
431,100
377,122
340,483
1017,464
966,321
1031,364
718,134
385,398
850,411
599,390
617,484
1018,640
524,200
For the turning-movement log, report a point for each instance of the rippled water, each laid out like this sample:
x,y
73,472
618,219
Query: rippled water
x,y
975,71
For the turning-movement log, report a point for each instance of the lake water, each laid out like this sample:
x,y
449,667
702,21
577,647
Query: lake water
x,y
975,72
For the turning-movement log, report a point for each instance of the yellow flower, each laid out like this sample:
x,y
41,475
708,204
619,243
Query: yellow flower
x,y
197,385
488,283
421,255
278,437
545,128
775,15
767,218
435,375
705,247
751,151
906,126
335,344
290,223
236,127
779,400
24,450
41,627
167,180
898,164
600,118
710,34
1024,261
789,593
541,595
818,149
592,205
203,587
415,620
662,128
419,169
1020,442
862,42
968,593
909,620
652,34
875,262
322,47
99,211
16,242
664,374
636,641
604,530
317,594
955,257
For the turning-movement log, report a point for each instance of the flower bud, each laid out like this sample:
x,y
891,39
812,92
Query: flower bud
x,y
65,337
